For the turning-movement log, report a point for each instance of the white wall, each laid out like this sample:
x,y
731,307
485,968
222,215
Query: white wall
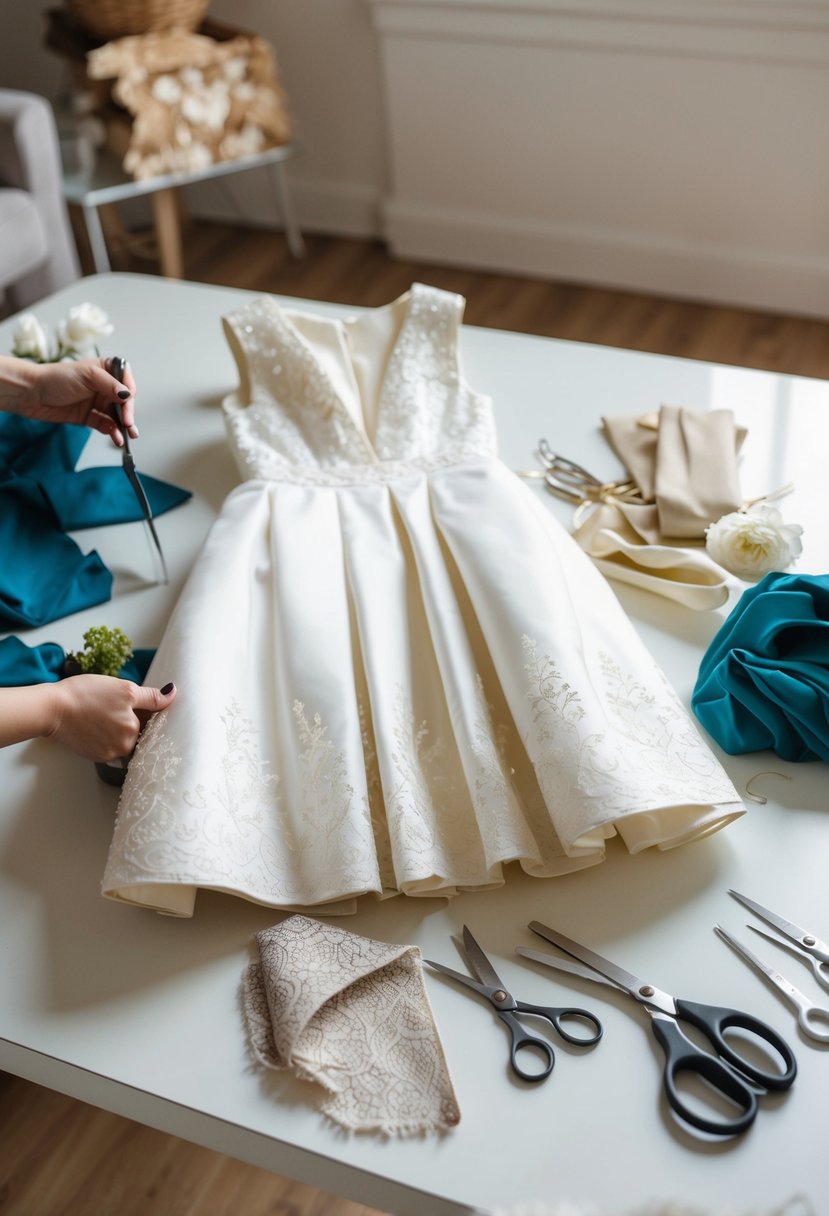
x,y
329,63
675,146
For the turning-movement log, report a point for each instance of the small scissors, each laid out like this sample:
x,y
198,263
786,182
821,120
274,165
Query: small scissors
x,y
506,1007
801,943
116,366
576,484
725,1072
808,1014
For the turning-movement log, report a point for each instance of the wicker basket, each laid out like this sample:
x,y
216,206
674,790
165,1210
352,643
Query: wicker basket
x,y
115,18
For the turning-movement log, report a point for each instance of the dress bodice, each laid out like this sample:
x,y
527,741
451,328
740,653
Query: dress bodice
x,y
326,400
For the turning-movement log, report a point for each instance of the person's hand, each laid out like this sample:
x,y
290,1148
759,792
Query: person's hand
x,y
100,717
83,392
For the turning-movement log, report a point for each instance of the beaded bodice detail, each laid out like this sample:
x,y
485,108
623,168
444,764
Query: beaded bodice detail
x,y
293,420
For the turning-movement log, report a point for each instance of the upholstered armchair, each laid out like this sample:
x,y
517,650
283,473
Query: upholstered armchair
x,y
37,252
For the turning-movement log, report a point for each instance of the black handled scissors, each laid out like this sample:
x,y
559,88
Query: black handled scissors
x,y
116,367
488,985
728,1071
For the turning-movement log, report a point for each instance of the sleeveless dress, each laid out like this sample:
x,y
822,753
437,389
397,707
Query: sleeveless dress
x,y
397,672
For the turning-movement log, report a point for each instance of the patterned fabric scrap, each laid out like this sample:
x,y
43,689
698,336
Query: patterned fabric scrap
x,y
351,1014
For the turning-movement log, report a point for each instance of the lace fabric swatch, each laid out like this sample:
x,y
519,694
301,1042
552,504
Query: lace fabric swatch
x,y
351,1014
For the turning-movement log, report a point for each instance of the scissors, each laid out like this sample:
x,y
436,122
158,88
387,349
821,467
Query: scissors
x,y
576,484
801,943
728,1072
488,985
116,367
808,1014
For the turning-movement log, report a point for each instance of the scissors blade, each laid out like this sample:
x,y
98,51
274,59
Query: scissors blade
x,y
128,465
566,964
143,502
459,976
646,994
481,965
801,937
793,995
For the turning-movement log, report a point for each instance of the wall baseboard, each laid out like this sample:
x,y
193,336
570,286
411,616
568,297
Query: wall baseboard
x,y
641,262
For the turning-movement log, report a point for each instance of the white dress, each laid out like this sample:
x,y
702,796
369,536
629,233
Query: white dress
x,y
396,671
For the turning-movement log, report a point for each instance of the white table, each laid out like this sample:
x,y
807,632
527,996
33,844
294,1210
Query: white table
x,y
106,182
138,1014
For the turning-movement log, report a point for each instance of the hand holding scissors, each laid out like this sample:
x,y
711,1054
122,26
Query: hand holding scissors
x,y
489,986
802,943
726,1071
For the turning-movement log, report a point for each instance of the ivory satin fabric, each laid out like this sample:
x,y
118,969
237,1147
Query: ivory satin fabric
x,y
396,671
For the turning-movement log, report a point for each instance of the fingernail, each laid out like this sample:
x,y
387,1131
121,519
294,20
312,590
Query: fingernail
x,y
124,393
167,689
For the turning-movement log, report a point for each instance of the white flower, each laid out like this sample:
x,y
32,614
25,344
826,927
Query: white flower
x,y
166,89
753,542
85,324
29,339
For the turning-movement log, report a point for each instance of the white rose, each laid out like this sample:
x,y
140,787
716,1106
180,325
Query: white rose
x,y
753,542
29,339
84,326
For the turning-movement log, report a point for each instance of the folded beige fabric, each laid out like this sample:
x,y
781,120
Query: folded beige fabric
x,y
687,576
351,1014
685,462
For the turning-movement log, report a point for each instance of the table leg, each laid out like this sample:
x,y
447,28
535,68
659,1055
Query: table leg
x,y
97,243
168,232
292,232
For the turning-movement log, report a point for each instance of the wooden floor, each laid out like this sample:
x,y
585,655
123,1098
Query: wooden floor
x,y
61,1158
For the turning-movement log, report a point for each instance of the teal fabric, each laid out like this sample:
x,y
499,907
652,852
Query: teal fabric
x,y
44,575
21,664
764,680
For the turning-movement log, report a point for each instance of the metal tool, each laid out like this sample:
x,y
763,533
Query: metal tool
x,y
731,1074
488,985
800,942
116,367
576,484
807,1012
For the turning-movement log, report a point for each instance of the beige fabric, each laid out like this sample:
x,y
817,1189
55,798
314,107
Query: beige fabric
x,y
351,1014
684,463
682,460
687,576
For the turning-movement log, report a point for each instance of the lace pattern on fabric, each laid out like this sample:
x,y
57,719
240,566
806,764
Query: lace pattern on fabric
x,y
296,428
649,757
352,1015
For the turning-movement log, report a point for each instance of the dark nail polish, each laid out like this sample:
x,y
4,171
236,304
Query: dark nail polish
x,y
124,393
168,688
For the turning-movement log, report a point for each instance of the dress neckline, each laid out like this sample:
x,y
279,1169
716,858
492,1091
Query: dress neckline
x,y
341,326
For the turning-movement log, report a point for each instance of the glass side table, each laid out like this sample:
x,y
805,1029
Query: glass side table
x,y
106,182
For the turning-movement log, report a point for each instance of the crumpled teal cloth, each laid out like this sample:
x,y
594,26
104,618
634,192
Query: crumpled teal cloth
x,y
43,573
764,680
21,664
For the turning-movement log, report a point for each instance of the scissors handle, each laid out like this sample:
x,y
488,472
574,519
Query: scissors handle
x,y
561,1016
683,1056
820,969
714,1021
524,1042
